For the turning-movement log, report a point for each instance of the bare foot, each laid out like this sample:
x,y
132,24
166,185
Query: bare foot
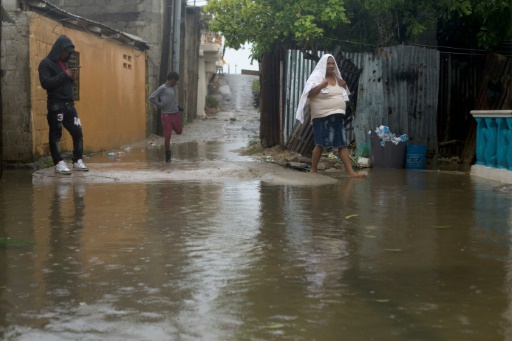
x,y
357,175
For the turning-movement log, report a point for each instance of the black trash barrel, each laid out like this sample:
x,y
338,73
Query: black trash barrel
x,y
388,156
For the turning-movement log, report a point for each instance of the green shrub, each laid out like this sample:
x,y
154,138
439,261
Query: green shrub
x,y
253,147
211,102
256,93
256,86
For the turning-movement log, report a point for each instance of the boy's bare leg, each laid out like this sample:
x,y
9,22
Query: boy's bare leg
x,y
168,150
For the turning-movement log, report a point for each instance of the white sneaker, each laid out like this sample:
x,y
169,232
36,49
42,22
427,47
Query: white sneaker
x,y
62,191
62,168
79,166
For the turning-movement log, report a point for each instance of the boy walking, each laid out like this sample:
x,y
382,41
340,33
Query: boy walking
x,y
165,99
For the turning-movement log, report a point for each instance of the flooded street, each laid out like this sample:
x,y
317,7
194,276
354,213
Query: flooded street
x,y
401,255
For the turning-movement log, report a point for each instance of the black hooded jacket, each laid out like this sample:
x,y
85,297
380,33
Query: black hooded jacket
x,y
59,87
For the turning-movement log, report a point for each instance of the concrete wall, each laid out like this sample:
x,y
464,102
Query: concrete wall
x,y
112,102
17,118
202,88
142,18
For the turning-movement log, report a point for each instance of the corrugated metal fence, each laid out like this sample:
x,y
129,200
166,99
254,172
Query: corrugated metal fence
x,y
398,87
460,79
297,137
297,71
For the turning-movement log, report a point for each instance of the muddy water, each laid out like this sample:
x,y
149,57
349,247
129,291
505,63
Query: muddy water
x,y
402,255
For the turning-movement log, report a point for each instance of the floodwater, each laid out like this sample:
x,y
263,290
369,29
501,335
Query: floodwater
x,y
401,255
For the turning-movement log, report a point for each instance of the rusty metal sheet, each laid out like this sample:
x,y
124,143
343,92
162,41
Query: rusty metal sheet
x,y
398,87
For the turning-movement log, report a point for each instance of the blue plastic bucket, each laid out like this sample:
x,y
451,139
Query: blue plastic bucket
x,y
416,157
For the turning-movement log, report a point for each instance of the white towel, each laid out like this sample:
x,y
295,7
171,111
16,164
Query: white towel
x,y
316,77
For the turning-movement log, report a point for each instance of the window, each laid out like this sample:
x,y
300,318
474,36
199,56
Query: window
x,y
127,62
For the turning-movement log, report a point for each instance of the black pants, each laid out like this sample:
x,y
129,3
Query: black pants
x,y
61,115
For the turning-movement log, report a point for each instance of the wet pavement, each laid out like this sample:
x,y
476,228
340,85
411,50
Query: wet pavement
x,y
401,255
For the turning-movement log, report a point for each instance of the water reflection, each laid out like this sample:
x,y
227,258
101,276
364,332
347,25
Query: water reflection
x,y
182,152
400,255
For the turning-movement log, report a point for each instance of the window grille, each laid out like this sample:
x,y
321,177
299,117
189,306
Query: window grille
x,y
73,62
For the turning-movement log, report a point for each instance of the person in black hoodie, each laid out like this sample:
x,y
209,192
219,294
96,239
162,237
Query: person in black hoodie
x,y
57,79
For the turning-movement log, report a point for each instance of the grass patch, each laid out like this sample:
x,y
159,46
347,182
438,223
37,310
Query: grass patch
x,y
42,163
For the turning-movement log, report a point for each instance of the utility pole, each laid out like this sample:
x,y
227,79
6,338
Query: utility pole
x,y
176,35
1,113
165,57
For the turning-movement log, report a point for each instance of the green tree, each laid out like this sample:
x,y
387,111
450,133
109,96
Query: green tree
x,y
398,21
475,22
302,24
485,23
315,25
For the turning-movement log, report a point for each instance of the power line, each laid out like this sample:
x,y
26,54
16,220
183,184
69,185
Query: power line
x,y
468,51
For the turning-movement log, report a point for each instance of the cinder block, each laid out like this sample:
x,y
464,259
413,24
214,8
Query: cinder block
x,y
9,33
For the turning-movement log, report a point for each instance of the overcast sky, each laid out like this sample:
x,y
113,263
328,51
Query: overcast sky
x,y
238,60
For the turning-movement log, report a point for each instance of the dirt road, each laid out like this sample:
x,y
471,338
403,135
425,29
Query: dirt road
x,y
206,151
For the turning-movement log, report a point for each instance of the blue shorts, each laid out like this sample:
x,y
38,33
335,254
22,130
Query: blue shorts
x,y
329,131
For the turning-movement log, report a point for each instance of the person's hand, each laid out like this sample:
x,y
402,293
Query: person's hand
x,y
324,83
342,83
71,73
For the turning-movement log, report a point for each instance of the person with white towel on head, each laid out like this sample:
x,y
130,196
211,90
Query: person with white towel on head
x,y
327,93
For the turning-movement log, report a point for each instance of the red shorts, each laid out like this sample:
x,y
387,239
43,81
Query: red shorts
x,y
171,122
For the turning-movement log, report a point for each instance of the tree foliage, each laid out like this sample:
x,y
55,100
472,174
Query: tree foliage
x,y
313,24
398,21
460,22
270,23
475,22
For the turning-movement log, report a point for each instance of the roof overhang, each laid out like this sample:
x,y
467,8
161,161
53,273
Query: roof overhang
x,y
67,19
